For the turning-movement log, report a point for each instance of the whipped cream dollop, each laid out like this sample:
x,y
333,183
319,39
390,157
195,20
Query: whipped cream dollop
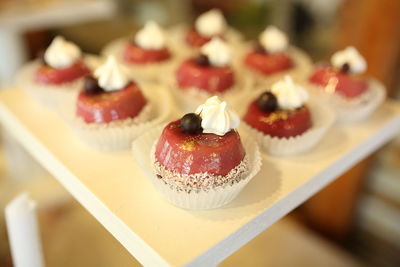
x,y
289,94
273,40
217,51
151,36
352,57
111,75
61,53
217,117
210,23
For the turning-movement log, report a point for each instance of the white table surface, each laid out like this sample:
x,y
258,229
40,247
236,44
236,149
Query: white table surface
x,y
112,188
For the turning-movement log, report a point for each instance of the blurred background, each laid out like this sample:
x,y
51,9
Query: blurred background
x,y
355,221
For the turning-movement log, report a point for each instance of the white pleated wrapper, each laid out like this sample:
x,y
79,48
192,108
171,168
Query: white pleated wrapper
x,y
301,70
353,110
323,117
143,149
119,135
177,35
149,72
51,96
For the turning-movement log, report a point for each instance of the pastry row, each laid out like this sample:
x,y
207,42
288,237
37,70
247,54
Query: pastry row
x,y
202,158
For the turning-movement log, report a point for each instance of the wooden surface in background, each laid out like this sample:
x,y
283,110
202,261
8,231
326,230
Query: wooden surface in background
x,y
373,27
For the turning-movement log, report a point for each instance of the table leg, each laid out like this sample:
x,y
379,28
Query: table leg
x,y
12,55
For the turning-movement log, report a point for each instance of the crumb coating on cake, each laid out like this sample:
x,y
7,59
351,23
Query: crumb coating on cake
x,y
200,181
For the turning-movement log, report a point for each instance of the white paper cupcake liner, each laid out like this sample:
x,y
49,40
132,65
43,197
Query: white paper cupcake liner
x,y
151,72
356,109
322,119
302,68
50,96
47,95
119,135
198,199
177,36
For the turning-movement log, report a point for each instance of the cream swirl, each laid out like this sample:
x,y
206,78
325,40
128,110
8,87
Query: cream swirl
x,y
217,51
61,53
111,75
217,117
350,56
273,40
151,36
210,23
289,94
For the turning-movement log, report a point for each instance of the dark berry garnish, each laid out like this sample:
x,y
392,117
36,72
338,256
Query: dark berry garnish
x,y
191,123
91,86
345,68
259,48
202,60
40,56
267,102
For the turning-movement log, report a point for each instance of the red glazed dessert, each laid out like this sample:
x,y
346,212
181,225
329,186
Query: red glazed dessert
x,y
111,96
208,25
138,55
202,150
194,74
198,153
104,107
49,75
278,123
281,112
266,63
270,55
199,161
348,86
342,76
148,46
61,63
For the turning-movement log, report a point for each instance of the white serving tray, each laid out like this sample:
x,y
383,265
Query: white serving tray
x,y
113,189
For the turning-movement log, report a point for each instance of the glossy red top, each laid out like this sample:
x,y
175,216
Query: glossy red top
x,y
280,123
49,75
105,107
198,153
208,78
266,63
135,54
346,85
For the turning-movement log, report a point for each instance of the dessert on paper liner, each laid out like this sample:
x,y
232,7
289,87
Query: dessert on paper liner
x,y
276,128
151,38
212,72
57,75
352,97
215,121
271,58
187,39
115,134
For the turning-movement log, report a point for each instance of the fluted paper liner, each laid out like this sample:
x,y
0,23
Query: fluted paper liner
x,y
322,119
49,95
143,149
356,109
148,72
120,134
